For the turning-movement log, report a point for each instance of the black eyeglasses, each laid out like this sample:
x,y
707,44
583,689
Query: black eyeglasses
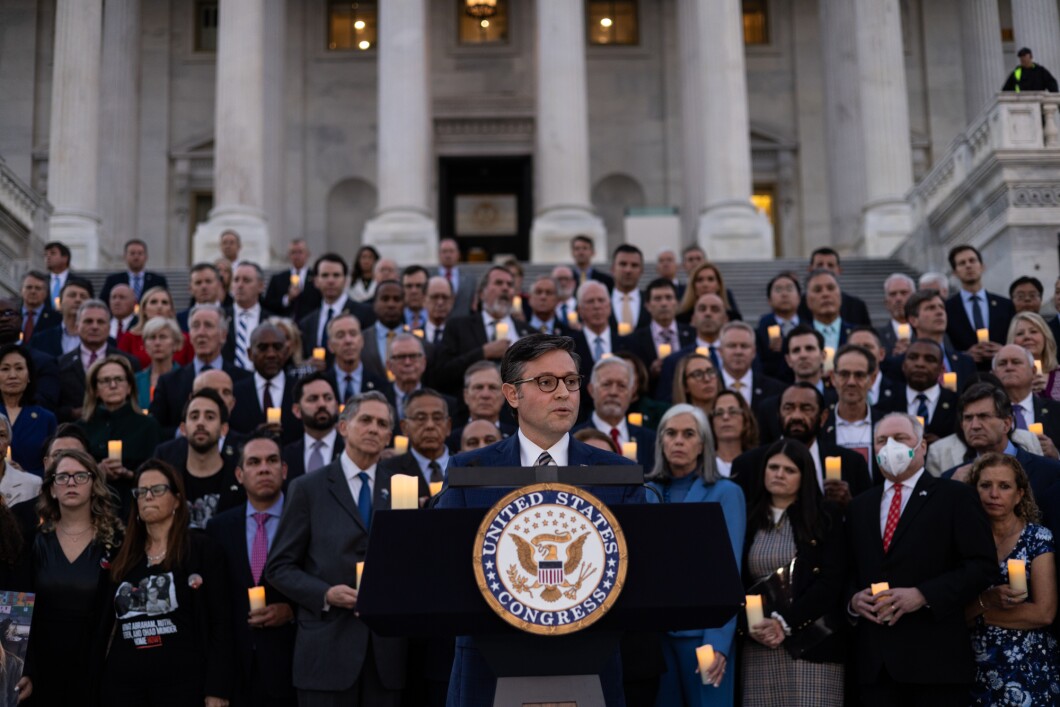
x,y
548,383
79,478
702,374
152,491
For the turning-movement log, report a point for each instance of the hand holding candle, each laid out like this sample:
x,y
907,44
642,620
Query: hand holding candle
x,y
1017,576
502,330
114,450
705,657
755,615
905,332
360,571
983,335
295,281
774,332
878,587
1036,428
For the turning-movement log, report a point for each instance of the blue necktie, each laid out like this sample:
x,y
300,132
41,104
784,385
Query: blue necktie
x,y
922,408
348,392
138,286
977,314
364,500
598,348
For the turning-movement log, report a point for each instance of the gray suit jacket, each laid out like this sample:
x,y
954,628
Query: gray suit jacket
x,y
320,540
464,295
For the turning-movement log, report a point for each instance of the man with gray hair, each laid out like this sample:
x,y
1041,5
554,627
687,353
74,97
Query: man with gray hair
x,y
323,534
1014,367
737,355
896,290
566,283
611,388
246,313
933,280
93,328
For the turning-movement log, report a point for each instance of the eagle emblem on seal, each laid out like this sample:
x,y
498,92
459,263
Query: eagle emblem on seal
x,y
550,571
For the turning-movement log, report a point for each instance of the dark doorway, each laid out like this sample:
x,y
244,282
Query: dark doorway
x,y
485,202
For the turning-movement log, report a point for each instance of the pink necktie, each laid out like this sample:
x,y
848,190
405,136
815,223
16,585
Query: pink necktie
x,y
259,550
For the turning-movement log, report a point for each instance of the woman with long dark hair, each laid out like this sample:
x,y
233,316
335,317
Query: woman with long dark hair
x,y
170,593
790,527
362,281
31,424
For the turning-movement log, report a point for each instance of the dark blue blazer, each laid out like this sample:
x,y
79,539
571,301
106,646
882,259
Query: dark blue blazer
x,y
644,438
47,319
962,331
641,344
852,310
960,363
151,279
49,341
265,655
773,363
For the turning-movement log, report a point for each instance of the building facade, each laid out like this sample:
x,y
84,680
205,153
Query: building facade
x,y
759,127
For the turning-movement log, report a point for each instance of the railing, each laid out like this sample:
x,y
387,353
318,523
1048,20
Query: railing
x,y
23,226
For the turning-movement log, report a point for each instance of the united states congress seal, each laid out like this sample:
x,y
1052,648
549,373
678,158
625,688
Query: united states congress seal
x,y
550,559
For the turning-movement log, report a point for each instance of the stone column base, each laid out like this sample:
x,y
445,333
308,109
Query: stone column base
x,y
552,230
253,232
80,231
884,227
735,231
405,236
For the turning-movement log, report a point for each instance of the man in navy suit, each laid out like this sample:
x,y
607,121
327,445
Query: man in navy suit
x,y
783,293
1014,367
332,279
925,310
850,308
204,281
612,386
291,292
663,329
922,394
627,302
347,371
973,308
316,405
135,276
37,315
582,250
63,338
264,637
897,289
823,308
268,386
542,384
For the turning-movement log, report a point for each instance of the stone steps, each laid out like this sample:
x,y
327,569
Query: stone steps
x,y
862,277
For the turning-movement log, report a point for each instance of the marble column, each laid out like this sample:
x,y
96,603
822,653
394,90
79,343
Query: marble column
x,y
563,208
119,136
886,217
1036,25
239,135
403,227
984,65
74,140
842,119
729,225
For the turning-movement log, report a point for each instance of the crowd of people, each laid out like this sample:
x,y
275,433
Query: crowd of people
x,y
893,491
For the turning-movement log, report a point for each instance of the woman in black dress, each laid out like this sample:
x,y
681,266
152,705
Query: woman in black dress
x,y
79,535
170,594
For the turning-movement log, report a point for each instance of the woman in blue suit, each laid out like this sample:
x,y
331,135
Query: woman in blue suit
x,y
685,473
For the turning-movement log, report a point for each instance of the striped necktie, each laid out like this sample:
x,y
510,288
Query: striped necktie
x,y
544,460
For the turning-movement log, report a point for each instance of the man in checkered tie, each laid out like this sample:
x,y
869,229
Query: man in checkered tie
x,y
929,540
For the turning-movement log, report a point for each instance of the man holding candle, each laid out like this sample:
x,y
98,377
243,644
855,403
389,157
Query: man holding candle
x,y
783,293
925,310
291,291
663,335
268,388
923,396
566,284
1014,367
973,309
930,541
426,423
265,636
323,534
896,334
737,357
627,265
331,276
850,422
611,388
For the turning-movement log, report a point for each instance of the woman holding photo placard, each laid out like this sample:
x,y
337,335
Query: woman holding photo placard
x,y
1015,653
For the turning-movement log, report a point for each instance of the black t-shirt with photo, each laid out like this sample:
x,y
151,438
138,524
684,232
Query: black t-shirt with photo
x,y
207,496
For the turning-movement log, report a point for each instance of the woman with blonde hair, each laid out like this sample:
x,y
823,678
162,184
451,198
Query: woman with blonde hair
x,y
706,279
78,537
156,302
162,338
696,382
1031,332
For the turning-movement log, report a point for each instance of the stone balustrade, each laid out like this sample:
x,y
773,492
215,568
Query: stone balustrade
x,y
23,227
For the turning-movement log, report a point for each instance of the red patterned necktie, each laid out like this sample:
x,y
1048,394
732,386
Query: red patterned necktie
x,y
614,436
893,514
259,550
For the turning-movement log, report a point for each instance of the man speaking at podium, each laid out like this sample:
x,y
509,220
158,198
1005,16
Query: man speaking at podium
x,y
541,383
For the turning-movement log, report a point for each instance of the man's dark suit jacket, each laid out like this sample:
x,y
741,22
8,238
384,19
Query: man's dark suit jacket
x,y
960,363
851,309
72,379
942,546
172,392
247,414
644,437
47,319
962,332
461,346
641,344
294,457
228,351
49,341
767,414
772,362
747,469
1047,412
472,679
370,354
598,275
369,381
264,654
151,279
302,305
320,540
942,424
310,323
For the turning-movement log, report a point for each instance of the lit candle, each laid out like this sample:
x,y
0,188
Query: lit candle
x,y
401,444
572,318
9,452
1038,366
114,450
905,332
629,450
21,336
517,303
754,609
703,351
833,468
1017,576
57,303
436,487
829,359
257,598
136,310
983,335
1036,428
502,330
403,492
949,381
774,332
295,280
272,416
705,657
360,571
625,328
390,376
665,350
320,353
418,333
878,587
920,419
607,354
635,418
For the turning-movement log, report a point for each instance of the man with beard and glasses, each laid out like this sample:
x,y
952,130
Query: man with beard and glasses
x,y
209,479
316,405
803,413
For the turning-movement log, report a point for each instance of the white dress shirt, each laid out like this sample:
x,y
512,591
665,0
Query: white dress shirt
x,y
125,323
605,340
634,304
1028,409
623,430
932,394
336,308
351,470
327,448
888,493
529,452
487,320
276,386
746,383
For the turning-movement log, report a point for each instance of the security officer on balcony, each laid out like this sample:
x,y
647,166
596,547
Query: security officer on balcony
x,y
1029,76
